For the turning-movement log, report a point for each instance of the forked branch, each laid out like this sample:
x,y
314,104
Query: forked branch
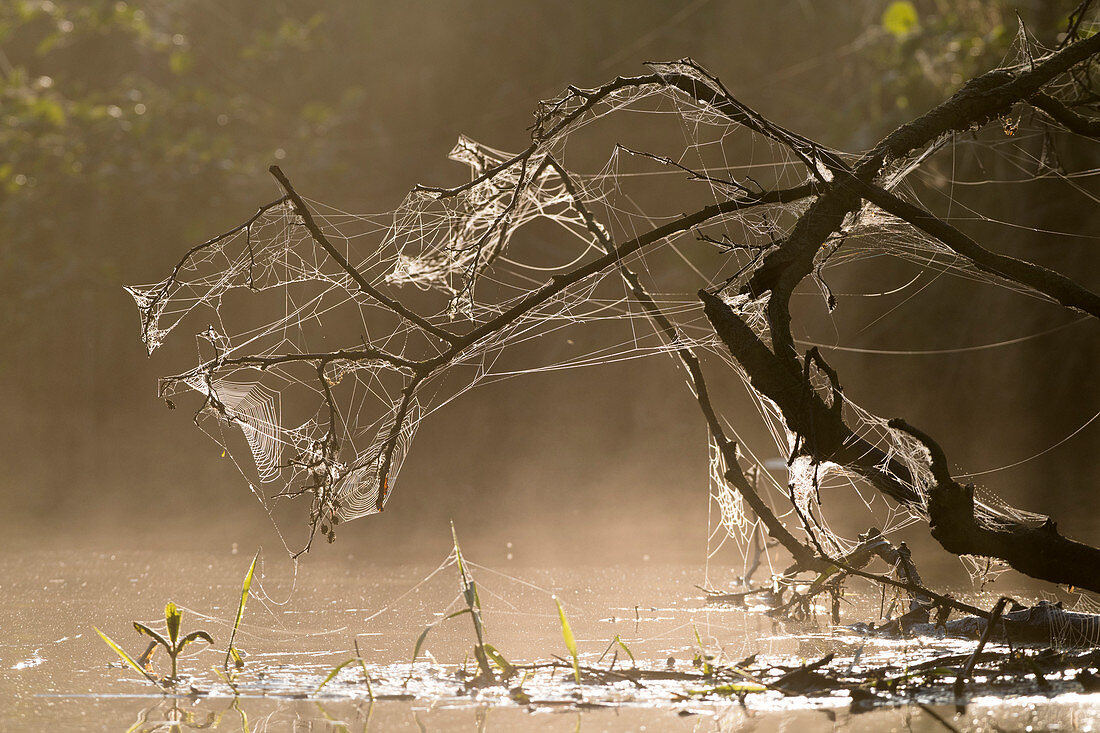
x,y
302,210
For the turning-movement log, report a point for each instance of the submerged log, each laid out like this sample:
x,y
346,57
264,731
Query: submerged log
x,y
1043,623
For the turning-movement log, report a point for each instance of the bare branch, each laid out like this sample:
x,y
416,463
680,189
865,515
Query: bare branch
x,y
390,445
245,226
560,283
1073,121
776,371
591,97
1073,25
695,175
824,434
708,89
1040,552
938,461
984,98
1038,278
319,237
265,362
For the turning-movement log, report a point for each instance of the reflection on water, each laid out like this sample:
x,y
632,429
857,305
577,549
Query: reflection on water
x,y
56,674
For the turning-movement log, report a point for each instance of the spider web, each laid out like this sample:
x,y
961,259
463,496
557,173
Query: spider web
x,y
312,384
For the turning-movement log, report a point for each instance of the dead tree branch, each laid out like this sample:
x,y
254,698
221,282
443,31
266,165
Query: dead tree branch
x,y
836,187
1054,285
1041,552
318,236
245,226
1075,122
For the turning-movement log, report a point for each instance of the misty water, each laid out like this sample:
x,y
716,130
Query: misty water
x,y
58,675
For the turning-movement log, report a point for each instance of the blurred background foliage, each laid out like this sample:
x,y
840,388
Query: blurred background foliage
x,y
116,111
133,130
162,109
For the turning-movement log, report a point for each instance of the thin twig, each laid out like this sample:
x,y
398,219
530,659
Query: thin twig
x,y
968,668
245,226
318,236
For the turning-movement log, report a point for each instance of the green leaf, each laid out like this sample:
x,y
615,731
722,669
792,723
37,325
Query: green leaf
x,y
900,18
49,111
627,650
333,674
703,656
231,652
420,643
194,636
172,617
498,659
143,629
570,641
126,657
238,660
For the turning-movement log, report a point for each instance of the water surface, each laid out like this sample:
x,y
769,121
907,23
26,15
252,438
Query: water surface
x,y
58,675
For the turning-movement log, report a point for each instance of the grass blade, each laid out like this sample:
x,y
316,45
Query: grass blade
x,y
474,605
366,677
126,657
231,652
244,718
333,674
570,641
506,668
458,553
732,688
703,657
627,650
424,634
473,602
227,678
420,643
